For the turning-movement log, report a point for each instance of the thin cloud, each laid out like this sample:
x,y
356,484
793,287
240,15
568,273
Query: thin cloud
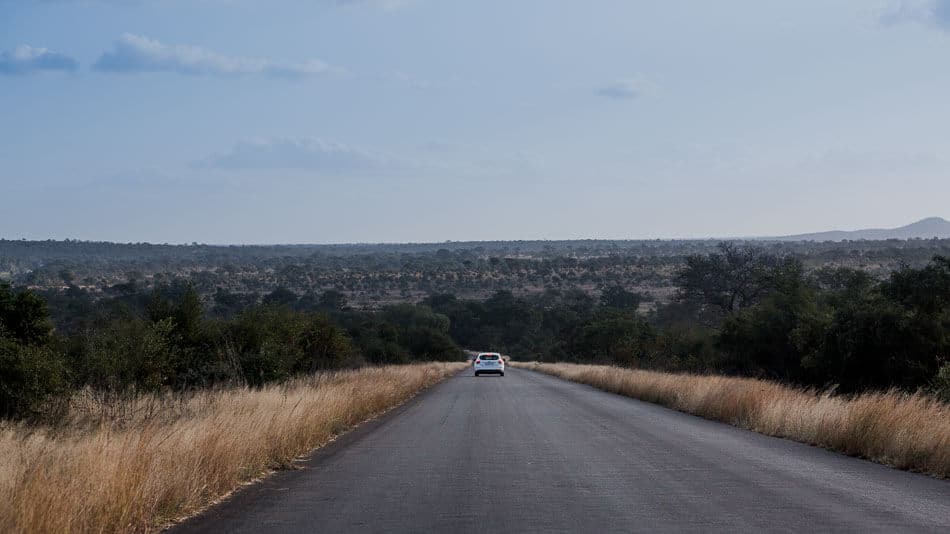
x,y
386,5
135,53
27,59
930,12
627,89
308,153
408,80
850,162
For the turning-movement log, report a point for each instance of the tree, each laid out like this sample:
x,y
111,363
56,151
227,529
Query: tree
x,y
734,278
509,321
892,335
614,336
877,345
67,277
925,291
379,342
424,333
31,371
272,344
280,297
618,297
323,344
30,376
128,354
333,300
770,338
23,317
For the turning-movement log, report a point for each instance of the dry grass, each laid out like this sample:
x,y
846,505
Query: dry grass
x,y
134,467
906,431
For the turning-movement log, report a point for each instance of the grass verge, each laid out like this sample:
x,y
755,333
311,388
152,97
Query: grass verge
x,y
135,465
909,432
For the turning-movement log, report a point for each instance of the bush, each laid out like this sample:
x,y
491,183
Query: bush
x,y
127,354
423,333
23,317
30,377
684,350
614,336
271,344
31,372
766,339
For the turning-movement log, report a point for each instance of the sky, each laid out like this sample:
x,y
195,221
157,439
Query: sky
x,y
329,121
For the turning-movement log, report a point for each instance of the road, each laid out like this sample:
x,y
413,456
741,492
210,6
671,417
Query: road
x,y
531,453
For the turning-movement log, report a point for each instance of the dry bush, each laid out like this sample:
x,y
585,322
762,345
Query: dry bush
x,y
906,431
133,466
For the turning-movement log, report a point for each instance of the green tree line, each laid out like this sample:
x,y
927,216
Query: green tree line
x,y
739,310
168,339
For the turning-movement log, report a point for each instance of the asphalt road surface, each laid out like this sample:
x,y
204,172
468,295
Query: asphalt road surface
x,y
531,453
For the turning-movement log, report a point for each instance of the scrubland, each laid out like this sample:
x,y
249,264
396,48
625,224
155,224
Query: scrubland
x,y
136,464
907,431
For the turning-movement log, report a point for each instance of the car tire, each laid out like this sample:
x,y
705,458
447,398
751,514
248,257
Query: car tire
x,y
476,373
502,374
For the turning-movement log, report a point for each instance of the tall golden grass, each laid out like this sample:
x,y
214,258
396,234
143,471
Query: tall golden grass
x,y
136,466
902,430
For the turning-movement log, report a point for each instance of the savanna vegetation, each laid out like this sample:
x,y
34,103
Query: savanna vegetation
x,y
736,310
372,276
115,398
166,340
739,311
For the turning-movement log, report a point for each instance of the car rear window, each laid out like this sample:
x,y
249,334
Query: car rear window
x,y
488,357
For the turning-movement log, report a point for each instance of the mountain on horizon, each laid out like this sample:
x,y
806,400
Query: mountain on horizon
x,y
928,228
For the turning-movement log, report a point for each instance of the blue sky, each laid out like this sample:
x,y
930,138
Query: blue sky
x,y
290,121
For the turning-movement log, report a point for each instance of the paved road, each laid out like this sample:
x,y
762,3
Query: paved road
x,y
531,453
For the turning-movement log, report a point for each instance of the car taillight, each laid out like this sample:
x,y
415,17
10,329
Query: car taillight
x,y
478,361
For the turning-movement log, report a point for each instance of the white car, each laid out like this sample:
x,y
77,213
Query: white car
x,y
489,362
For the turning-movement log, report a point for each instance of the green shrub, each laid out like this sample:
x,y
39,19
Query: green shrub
x,y
30,377
126,354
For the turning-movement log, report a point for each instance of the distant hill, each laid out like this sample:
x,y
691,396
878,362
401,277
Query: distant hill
x,y
924,229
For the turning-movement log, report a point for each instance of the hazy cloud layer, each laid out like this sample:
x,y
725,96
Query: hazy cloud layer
x,y
308,153
26,59
837,162
388,5
135,53
627,88
935,12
